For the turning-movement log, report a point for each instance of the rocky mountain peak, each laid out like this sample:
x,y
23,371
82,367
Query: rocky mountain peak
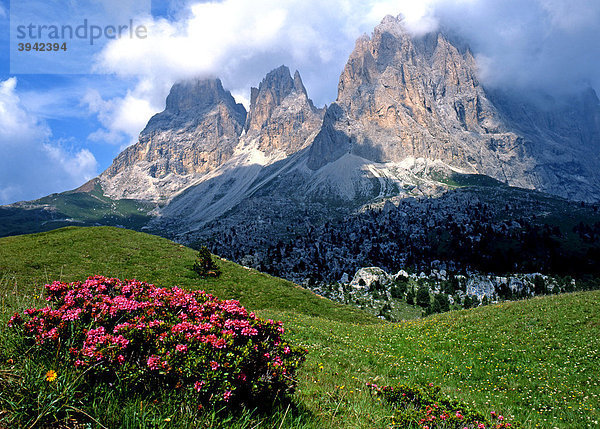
x,y
274,88
196,133
402,97
299,85
191,100
405,104
281,115
393,25
195,94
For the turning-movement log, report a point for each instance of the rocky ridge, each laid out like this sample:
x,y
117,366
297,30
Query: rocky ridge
x,y
203,133
282,117
410,114
401,97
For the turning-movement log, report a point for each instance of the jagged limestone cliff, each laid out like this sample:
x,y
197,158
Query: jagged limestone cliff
x,y
197,132
401,97
281,116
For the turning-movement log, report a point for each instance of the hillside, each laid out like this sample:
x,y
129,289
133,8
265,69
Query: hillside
x,y
536,360
72,254
85,206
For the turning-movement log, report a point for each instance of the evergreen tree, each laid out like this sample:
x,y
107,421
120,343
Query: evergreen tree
x,y
441,302
423,299
204,265
467,302
539,285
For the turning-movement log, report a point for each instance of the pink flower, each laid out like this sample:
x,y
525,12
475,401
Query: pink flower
x,y
153,362
15,320
250,332
181,348
219,344
198,385
227,395
214,365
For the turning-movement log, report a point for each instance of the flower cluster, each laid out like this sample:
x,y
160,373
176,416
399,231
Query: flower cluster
x,y
148,336
427,408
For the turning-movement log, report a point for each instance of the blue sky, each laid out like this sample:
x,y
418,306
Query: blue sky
x,y
54,103
59,130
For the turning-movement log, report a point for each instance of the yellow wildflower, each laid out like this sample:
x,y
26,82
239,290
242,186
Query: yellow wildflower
x,y
51,375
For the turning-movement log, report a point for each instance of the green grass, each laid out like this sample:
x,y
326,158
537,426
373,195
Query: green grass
x,y
460,180
72,254
537,360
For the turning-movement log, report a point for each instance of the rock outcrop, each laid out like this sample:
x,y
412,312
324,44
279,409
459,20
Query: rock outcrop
x,y
197,132
402,97
202,128
281,117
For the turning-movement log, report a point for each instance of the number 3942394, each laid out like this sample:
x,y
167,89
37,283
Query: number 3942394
x,y
42,47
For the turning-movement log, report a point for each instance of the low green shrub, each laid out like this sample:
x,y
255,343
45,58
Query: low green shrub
x,y
428,408
204,265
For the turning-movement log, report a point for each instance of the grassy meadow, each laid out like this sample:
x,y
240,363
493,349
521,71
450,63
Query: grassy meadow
x,y
536,360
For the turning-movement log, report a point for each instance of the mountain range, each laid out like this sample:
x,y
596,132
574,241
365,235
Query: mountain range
x,y
404,104
411,120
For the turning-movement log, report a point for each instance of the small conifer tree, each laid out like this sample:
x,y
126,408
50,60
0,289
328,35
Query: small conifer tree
x,y
204,265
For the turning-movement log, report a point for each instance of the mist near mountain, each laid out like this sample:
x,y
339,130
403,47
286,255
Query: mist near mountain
x,y
534,45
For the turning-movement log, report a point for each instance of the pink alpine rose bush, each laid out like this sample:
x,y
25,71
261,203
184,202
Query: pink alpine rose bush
x,y
148,337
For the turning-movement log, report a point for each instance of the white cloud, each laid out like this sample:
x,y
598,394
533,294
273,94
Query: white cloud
x,y
218,36
549,45
16,125
31,164
3,13
124,117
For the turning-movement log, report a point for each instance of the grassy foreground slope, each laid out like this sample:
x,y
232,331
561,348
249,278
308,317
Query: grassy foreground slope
x,y
72,254
537,360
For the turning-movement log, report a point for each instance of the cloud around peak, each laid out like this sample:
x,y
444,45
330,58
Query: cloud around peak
x,y
542,45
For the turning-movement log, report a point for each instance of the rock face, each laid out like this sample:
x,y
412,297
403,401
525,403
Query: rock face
x,y
202,129
197,132
401,97
281,116
365,277
409,112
